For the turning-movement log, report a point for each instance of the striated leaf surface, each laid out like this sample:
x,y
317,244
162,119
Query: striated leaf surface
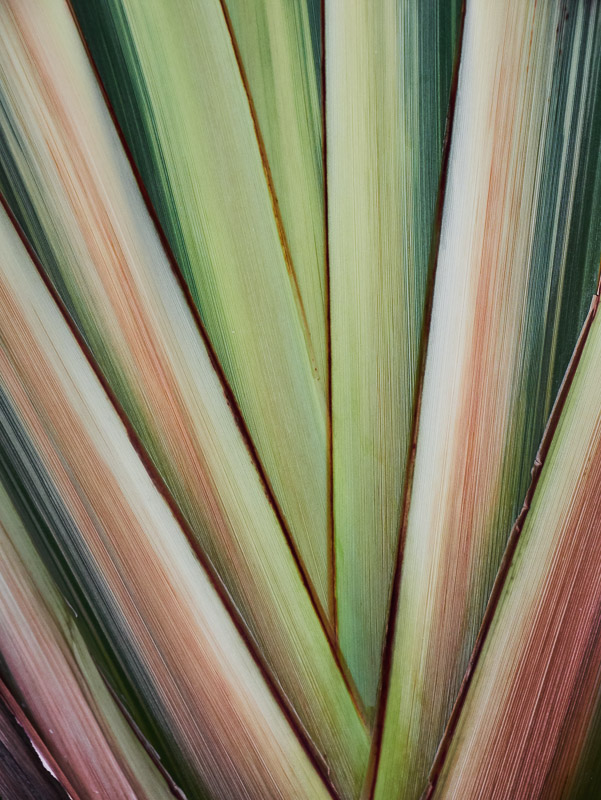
x,y
388,76
165,630
585,777
529,708
279,45
174,82
69,182
516,269
44,657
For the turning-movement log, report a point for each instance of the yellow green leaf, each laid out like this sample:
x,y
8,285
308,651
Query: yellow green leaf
x,y
279,45
178,93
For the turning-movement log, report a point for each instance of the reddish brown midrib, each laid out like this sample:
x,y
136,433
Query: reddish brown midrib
x,y
330,422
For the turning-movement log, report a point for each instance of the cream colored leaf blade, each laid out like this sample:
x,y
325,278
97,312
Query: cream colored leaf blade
x,y
175,84
517,267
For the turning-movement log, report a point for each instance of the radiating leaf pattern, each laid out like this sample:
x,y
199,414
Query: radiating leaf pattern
x,y
299,417
183,658
168,75
79,203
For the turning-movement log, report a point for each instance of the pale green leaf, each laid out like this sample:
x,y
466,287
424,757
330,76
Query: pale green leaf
x,y
388,75
279,44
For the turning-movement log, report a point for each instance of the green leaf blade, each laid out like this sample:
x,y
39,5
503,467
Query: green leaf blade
x,y
280,50
175,84
387,94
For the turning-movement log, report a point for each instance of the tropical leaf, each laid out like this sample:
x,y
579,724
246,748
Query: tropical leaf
x,y
167,75
516,269
78,201
299,418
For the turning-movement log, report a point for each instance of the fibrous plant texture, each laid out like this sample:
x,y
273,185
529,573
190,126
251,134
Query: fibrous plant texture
x,y
300,408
